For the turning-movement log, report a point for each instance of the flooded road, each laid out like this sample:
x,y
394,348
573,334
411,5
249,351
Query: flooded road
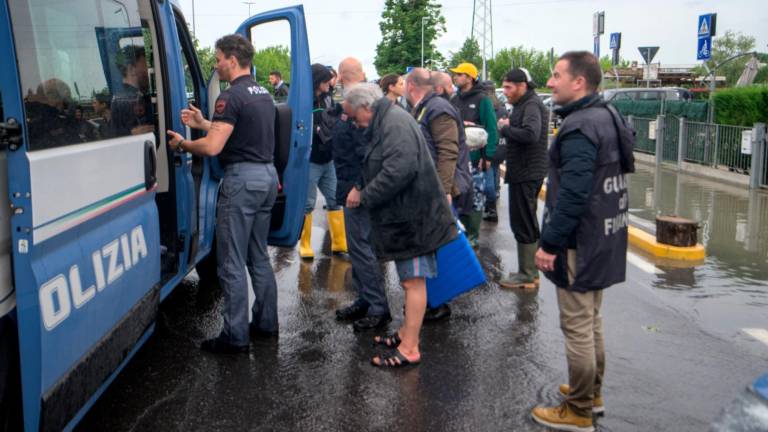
x,y
500,354
729,292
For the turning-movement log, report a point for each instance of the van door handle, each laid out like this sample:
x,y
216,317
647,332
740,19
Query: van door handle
x,y
150,165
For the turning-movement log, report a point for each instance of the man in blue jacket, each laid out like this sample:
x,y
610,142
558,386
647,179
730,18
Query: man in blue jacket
x,y
583,247
370,310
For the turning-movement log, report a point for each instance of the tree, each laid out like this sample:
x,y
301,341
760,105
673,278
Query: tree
x,y
537,63
401,29
724,47
606,64
272,58
469,53
207,58
762,73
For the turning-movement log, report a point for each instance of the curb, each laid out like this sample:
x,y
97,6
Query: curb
x,y
647,243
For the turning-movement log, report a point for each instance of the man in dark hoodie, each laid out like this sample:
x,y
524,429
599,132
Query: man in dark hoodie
x,y
322,174
410,215
476,109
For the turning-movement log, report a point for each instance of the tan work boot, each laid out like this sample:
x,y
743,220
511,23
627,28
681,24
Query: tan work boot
x,y
562,418
597,404
305,245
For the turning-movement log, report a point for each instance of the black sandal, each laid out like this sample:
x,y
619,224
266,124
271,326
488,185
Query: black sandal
x,y
390,341
393,359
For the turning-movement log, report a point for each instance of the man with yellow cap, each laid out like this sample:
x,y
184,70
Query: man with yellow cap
x,y
476,109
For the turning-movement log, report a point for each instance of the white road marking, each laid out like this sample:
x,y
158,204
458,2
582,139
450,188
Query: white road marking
x,y
642,263
757,333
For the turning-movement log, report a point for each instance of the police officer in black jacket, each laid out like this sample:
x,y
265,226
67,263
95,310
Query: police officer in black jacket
x,y
242,135
526,134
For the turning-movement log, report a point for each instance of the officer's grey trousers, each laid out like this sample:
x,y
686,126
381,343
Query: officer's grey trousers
x,y
366,272
243,212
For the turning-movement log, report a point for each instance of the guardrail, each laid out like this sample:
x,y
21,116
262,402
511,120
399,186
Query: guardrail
x,y
677,140
708,144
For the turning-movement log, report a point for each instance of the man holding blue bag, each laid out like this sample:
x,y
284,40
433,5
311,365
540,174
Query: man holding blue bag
x,y
410,215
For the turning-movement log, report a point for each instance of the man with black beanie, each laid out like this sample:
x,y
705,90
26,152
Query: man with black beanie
x,y
526,133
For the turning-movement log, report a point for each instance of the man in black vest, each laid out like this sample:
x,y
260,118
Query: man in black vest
x,y
526,133
441,125
583,246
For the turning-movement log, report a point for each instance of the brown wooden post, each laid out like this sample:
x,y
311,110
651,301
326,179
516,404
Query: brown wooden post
x,y
676,231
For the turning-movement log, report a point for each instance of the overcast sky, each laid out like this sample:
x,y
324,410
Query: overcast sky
x,y
339,28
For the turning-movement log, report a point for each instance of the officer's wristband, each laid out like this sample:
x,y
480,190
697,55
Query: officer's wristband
x,y
179,147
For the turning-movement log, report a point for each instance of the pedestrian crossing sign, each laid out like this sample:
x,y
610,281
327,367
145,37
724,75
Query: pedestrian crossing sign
x,y
706,25
615,40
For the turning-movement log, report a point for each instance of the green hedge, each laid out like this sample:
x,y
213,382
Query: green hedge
x,y
742,106
694,110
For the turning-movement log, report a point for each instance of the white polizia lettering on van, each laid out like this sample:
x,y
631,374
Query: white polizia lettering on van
x,y
109,264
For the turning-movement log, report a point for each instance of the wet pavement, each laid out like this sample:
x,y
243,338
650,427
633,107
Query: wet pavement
x,y
676,354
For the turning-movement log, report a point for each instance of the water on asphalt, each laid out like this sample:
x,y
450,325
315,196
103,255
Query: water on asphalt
x,y
500,354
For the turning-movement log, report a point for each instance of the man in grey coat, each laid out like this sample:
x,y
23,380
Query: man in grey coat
x,y
410,215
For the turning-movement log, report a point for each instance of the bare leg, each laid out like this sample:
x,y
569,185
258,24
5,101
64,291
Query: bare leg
x,y
415,305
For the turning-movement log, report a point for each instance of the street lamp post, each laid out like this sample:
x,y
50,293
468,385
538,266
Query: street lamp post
x,y
194,33
422,39
249,7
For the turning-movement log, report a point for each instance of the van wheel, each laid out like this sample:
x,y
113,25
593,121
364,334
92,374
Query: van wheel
x,y
206,268
10,377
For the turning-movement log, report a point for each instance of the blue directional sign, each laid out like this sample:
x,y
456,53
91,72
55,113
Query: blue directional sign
x,y
615,41
704,48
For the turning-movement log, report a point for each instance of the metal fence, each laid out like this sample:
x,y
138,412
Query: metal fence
x,y
714,145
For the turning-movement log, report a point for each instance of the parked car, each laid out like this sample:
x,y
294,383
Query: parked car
x,y
661,93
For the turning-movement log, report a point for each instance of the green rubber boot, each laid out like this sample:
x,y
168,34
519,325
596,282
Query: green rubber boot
x,y
527,276
472,223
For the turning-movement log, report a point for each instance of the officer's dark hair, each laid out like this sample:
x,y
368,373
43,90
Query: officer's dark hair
x,y
388,80
584,64
277,74
128,56
238,47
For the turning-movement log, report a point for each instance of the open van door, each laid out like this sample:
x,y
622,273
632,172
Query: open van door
x,y
284,30
84,223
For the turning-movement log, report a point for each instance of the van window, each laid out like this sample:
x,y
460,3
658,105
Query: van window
x,y
649,95
84,72
272,57
622,96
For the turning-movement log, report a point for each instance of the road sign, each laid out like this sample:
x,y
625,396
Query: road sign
x,y
615,41
648,53
704,48
707,24
598,23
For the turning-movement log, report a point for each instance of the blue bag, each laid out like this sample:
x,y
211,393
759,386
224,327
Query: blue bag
x,y
458,271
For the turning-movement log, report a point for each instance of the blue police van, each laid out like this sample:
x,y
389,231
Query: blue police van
x,y
99,221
